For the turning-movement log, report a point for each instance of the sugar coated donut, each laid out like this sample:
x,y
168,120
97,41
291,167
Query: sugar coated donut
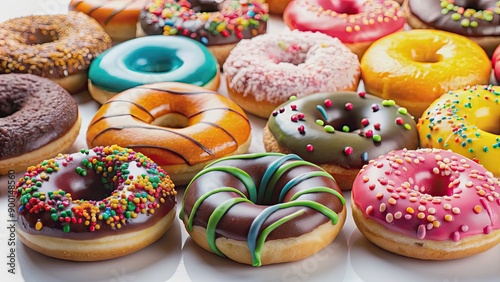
x,y
427,204
217,24
93,205
478,20
356,23
58,47
466,122
263,72
340,131
495,59
38,119
117,17
416,67
149,60
181,127
263,208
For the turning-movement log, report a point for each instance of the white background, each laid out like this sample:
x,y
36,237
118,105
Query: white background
x,y
175,257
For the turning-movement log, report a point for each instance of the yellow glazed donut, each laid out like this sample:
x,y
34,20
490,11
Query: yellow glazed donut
x,y
465,121
415,67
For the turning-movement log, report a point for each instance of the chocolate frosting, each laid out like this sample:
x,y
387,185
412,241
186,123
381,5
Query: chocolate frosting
x,y
191,25
34,111
465,17
241,172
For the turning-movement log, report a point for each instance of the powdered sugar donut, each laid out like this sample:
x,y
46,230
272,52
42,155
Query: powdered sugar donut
x,y
265,71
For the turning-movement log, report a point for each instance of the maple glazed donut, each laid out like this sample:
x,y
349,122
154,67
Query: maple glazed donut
x,y
277,7
217,24
415,67
356,23
340,131
263,208
117,17
149,60
58,47
96,204
38,119
477,20
427,204
265,71
465,121
495,59
179,126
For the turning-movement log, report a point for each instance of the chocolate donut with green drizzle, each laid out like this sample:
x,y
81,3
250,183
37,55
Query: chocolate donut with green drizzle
x,y
263,208
340,131
477,20
96,204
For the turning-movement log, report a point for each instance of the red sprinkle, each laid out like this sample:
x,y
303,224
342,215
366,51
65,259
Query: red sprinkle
x,y
328,103
377,126
309,147
294,118
301,116
365,122
362,94
294,107
348,150
369,134
349,106
399,120
302,129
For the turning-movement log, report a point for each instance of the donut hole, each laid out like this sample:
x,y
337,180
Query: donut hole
x,y
153,60
12,103
172,120
78,186
425,55
487,120
42,35
205,6
346,124
432,184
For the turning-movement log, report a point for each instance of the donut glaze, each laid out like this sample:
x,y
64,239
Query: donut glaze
x,y
343,128
153,59
351,21
180,126
210,22
51,46
117,17
416,67
429,195
466,122
495,59
34,112
260,198
104,191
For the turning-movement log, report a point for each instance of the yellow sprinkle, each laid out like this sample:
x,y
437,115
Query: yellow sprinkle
x,y
410,210
38,225
348,29
478,209
448,217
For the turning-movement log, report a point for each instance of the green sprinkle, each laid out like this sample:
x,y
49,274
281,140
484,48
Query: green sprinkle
x,y
465,23
320,122
402,111
292,98
329,128
66,228
471,150
54,217
345,128
485,149
473,24
377,138
455,16
440,139
388,103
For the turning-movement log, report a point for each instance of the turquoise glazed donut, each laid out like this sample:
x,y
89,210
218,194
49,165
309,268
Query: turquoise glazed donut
x,y
152,59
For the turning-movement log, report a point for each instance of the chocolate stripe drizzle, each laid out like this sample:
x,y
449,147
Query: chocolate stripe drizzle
x,y
130,102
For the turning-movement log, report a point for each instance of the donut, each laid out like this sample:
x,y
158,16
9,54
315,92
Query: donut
x,y
179,126
495,58
117,17
477,20
95,204
277,7
263,208
38,119
149,60
217,24
415,67
428,204
58,47
264,72
356,23
340,131
465,121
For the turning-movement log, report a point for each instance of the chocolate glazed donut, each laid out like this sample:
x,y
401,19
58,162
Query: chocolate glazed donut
x,y
257,199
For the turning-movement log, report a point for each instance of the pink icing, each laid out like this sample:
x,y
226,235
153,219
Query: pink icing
x,y
350,20
275,67
438,195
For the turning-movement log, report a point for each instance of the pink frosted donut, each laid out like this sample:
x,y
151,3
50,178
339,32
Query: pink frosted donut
x,y
495,61
427,204
265,71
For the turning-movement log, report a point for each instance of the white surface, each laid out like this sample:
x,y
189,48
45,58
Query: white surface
x,y
175,257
